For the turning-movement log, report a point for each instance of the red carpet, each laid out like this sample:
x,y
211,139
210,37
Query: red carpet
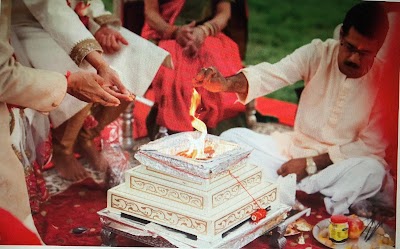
x,y
285,112
77,208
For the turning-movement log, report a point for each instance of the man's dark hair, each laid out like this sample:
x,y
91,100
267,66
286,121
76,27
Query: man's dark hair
x,y
369,19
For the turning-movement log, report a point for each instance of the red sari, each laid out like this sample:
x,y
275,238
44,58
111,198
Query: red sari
x,y
173,88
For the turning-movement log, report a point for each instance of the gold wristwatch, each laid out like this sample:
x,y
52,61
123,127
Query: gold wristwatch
x,y
311,167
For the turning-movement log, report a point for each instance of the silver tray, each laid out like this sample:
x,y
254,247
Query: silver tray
x,y
162,155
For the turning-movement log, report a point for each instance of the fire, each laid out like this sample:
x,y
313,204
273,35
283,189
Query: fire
x,y
197,145
196,123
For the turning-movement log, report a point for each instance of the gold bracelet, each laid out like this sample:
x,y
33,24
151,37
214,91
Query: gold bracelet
x,y
216,28
210,26
205,30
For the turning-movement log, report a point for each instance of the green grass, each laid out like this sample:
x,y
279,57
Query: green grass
x,y
277,27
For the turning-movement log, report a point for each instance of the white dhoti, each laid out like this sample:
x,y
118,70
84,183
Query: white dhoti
x,y
342,183
136,63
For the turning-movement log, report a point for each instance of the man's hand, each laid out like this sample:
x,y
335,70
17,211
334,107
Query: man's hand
x,y
110,39
113,84
88,87
296,166
211,79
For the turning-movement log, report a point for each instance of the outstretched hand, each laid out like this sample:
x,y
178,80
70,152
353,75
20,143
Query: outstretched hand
x,y
110,40
296,166
88,87
211,79
113,84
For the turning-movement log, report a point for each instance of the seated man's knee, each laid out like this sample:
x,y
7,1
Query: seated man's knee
x,y
371,165
370,169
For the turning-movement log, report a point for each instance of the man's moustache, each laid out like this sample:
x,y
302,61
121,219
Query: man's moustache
x,y
351,64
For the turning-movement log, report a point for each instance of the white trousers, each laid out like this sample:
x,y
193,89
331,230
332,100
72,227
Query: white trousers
x,y
342,183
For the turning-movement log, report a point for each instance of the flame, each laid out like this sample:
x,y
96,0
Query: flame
x,y
198,125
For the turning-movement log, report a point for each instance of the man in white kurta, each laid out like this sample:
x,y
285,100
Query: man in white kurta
x,y
54,38
337,146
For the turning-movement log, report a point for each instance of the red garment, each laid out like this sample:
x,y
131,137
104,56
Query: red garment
x,y
36,185
173,87
37,190
13,232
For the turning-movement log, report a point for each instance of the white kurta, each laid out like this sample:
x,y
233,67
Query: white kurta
x,y
48,30
336,115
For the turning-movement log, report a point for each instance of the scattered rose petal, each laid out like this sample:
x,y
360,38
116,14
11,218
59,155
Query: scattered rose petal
x,y
43,213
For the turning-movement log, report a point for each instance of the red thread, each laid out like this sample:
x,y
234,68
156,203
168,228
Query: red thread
x,y
67,75
260,213
255,201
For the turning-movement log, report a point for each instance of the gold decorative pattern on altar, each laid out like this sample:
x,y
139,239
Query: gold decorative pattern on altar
x,y
236,216
173,194
233,168
172,176
159,215
234,190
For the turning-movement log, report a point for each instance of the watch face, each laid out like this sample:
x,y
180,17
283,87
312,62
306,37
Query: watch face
x,y
311,166
311,169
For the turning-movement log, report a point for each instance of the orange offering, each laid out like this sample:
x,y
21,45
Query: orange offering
x,y
356,226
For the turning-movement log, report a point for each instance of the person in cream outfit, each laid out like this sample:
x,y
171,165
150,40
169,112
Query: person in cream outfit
x,y
40,90
52,36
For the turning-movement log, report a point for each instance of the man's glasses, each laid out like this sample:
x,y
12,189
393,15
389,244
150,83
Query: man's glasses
x,y
352,49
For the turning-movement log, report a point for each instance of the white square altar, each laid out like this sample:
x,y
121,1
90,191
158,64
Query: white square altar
x,y
205,198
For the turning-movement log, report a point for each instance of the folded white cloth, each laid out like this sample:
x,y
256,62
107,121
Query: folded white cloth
x,y
138,62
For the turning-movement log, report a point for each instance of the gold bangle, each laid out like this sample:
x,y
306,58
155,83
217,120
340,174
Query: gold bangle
x,y
216,28
205,30
210,26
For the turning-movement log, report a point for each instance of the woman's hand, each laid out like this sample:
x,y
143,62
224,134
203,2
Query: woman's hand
x,y
113,84
192,47
110,39
88,87
184,34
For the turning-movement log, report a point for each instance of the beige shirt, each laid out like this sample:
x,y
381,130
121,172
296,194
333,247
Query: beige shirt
x,y
37,89
336,114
